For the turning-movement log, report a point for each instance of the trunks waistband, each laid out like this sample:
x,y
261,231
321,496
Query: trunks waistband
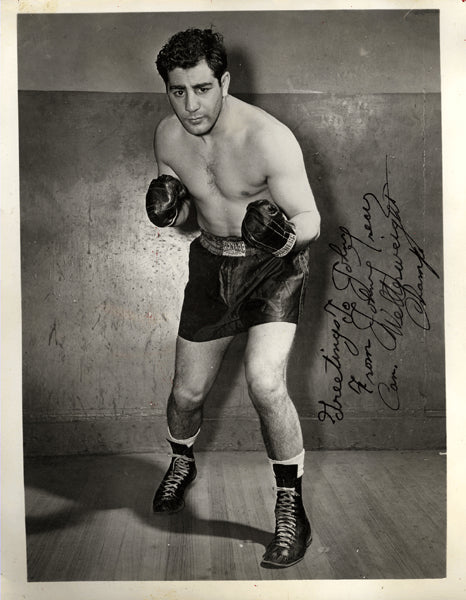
x,y
225,246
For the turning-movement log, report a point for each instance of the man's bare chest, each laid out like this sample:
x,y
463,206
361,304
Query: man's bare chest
x,y
226,172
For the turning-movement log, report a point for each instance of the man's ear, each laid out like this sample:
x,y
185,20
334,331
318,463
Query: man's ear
x,y
225,83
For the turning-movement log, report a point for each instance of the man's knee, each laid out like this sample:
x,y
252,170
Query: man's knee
x,y
188,397
266,385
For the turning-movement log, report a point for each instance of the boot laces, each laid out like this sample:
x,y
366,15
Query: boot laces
x,y
177,475
285,513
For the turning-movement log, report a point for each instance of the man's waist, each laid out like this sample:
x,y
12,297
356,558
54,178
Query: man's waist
x,y
226,246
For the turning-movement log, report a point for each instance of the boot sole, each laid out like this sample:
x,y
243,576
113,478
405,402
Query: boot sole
x,y
266,564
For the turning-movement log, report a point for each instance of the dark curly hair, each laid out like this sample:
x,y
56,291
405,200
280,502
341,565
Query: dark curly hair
x,y
186,48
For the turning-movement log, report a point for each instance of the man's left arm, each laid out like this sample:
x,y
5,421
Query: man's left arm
x,y
287,181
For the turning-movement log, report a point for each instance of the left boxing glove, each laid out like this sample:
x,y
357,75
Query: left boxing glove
x,y
266,227
164,199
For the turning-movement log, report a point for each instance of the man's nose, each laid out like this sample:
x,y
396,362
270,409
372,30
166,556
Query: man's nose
x,y
192,102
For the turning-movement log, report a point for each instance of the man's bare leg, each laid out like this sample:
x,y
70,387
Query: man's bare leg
x,y
266,360
196,367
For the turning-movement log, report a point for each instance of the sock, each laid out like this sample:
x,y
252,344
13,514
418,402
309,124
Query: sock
x,y
297,460
183,447
186,442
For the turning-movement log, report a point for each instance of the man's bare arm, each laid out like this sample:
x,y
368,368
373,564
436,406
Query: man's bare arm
x,y
161,142
288,183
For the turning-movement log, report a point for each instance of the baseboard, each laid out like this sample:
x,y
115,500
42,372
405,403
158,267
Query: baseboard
x,y
136,434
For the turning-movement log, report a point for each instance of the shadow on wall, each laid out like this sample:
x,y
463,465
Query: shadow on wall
x,y
310,331
241,69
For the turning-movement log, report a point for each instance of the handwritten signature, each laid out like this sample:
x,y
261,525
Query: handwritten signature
x,y
379,300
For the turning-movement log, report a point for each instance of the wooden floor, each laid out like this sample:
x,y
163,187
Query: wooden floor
x,y
374,515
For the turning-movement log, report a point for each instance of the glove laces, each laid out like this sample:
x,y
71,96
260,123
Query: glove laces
x,y
285,513
177,475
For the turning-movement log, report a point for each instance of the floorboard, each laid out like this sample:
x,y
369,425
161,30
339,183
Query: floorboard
x,y
375,515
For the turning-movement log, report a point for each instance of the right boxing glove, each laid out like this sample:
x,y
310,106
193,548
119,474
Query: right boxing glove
x,y
164,199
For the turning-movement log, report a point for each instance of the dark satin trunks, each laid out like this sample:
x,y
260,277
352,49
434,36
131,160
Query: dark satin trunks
x,y
233,287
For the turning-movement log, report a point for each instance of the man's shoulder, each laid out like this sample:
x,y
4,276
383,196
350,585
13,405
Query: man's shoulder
x,y
265,128
270,136
167,137
167,128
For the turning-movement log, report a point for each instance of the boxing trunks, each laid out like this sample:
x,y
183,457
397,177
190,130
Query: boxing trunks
x,y
233,286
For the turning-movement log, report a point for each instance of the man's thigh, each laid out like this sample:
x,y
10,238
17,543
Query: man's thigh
x,y
197,363
269,345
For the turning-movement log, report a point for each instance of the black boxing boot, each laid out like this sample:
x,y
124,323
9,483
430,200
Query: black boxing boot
x,y
292,528
181,472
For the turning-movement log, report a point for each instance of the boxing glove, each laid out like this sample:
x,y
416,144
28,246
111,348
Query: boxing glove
x,y
164,199
266,227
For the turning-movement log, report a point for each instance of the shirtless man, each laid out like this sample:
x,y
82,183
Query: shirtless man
x,y
244,172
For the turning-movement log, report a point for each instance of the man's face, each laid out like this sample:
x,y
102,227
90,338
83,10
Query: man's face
x,y
196,97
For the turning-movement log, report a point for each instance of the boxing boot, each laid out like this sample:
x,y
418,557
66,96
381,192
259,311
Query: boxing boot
x,y
292,529
169,497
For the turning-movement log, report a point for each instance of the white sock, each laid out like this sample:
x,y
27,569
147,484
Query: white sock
x,y
296,460
187,442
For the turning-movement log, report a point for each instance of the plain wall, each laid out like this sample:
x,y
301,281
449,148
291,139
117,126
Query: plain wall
x,y
102,288
269,52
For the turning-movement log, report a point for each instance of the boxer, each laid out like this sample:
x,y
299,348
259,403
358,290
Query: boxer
x,y
244,173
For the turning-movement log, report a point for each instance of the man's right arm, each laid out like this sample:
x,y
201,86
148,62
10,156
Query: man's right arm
x,y
167,199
